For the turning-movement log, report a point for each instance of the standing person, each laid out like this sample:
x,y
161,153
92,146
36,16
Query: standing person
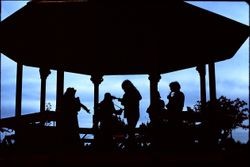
x,y
131,102
174,108
156,111
106,109
176,97
175,103
68,122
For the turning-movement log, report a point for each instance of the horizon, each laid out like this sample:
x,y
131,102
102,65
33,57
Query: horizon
x,y
230,81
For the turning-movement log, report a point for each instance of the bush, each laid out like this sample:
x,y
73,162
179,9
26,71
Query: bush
x,y
227,114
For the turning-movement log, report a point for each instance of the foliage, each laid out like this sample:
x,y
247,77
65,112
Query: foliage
x,y
48,107
229,114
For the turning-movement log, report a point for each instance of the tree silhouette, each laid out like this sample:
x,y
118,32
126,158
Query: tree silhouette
x,y
229,114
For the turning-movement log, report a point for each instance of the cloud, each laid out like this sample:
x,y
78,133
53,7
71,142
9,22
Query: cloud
x,y
233,10
7,108
9,7
233,89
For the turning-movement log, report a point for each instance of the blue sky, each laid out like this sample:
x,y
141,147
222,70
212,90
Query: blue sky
x,y
232,76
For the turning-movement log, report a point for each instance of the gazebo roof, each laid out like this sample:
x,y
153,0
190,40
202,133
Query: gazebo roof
x,y
107,37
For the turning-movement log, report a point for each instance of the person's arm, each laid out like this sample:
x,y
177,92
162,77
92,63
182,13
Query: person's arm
x,y
82,105
85,108
121,100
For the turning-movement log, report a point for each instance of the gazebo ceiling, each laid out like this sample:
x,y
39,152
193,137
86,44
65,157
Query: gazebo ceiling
x,y
97,37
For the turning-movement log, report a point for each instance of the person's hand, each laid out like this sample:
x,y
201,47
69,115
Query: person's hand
x,y
170,95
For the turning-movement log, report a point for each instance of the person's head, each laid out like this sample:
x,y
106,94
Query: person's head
x,y
126,84
107,96
70,91
175,86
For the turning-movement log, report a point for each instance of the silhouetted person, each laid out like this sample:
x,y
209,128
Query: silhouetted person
x,y
175,103
106,111
68,123
131,102
156,111
176,136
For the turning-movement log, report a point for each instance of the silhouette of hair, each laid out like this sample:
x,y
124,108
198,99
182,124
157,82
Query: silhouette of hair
x,y
175,85
107,96
70,91
128,85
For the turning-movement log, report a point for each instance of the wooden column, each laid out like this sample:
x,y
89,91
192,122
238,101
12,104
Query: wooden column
x,y
59,88
19,80
212,81
18,109
96,79
202,73
44,72
154,79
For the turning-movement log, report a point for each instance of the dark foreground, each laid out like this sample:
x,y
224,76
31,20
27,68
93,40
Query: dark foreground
x,y
235,157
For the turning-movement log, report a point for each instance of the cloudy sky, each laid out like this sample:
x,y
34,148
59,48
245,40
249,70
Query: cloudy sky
x,y
232,76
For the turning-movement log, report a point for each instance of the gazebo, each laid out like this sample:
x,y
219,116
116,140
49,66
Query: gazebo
x,y
100,38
